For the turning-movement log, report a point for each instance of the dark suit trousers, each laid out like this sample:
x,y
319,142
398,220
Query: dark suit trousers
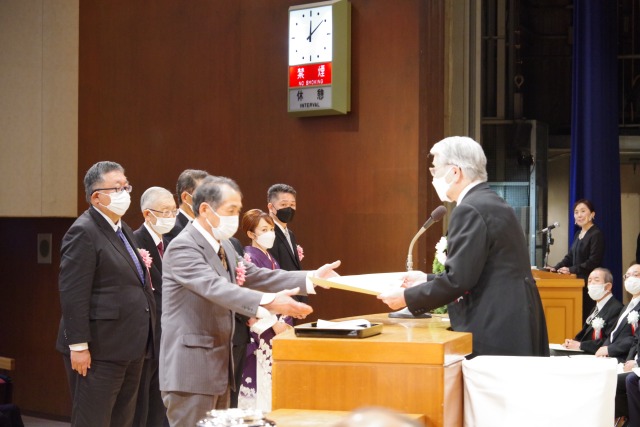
x,y
150,410
621,408
633,399
106,397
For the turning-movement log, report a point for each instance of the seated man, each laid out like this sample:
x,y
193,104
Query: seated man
x,y
632,389
603,317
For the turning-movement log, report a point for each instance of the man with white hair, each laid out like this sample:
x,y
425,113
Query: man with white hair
x,y
487,282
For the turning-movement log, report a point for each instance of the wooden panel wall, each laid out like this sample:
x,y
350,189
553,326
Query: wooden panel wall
x,y
167,85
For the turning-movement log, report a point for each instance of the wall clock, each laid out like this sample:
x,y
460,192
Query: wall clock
x,y
319,58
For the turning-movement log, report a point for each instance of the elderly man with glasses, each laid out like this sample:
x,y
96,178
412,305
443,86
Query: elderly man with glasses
x,y
487,282
108,309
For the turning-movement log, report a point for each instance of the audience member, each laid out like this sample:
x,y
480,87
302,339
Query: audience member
x,y
487,282
159,212
631,386
255,391
108,309
281,203
587,250
186,185
603,317
200,294
621,340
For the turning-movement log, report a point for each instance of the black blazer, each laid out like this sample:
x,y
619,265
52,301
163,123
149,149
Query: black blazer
x,y
181,222
103,301
585,254
609,314
488,266
282,252
145,241
623,339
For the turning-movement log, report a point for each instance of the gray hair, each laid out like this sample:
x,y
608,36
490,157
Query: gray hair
x,y
212,190
608,277
95,175
465,153
152,195
276,189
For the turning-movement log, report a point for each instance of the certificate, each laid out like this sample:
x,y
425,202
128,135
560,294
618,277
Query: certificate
x,y
372,284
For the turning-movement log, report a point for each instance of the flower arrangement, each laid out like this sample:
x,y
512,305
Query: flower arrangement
x,y
146,257
241,273
247,257
632,319
300,252
438,266
597,324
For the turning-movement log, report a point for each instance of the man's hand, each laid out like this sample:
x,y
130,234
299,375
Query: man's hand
x,y
413,278
602,352
629,365
326,272
81,361
284,304
571,344
394,298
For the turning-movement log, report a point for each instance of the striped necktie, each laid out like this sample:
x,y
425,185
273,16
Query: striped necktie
x,y
131,253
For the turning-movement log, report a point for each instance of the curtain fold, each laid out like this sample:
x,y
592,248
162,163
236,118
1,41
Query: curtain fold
x,y
595,152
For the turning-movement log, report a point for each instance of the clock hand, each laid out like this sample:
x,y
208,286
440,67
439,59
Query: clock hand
x,y
309,38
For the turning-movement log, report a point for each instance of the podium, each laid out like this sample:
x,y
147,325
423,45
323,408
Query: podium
x,y
561,296
414,366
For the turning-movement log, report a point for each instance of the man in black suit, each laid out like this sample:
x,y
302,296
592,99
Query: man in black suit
x,y
281,204
108,309
159,212
607,309
186,185
487,282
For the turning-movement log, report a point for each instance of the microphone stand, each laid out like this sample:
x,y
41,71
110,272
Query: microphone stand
x,y
548,249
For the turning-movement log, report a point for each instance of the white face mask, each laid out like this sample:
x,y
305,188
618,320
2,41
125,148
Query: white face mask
x,y
632,285
119,202
266,239
162,225
442,187
227,227
596,291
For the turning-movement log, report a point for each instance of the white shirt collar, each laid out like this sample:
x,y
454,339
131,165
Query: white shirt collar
x,y
208,237
185,214
284,229
603,301
154,236
466,190
111,223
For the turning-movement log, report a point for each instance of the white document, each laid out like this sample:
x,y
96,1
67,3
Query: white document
x,y
372,284
563,348
344,324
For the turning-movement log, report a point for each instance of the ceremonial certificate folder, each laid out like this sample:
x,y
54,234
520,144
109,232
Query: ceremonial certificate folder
x,y
372,284
313,331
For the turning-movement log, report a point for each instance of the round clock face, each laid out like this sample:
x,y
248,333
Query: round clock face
x,y
310,35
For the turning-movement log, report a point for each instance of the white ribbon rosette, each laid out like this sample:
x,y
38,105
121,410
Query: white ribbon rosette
x,y
597,324
632,319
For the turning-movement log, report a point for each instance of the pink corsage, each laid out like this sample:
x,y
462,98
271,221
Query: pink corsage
x,y
241,273
632,319
597,324
146,257
300,252
247,257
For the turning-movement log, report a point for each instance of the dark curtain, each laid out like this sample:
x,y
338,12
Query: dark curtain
x,y
595,153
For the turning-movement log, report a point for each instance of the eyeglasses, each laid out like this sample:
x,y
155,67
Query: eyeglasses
x,y
126,188
166,214
434,169
633,274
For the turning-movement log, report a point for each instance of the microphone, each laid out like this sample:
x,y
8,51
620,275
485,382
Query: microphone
x,y
549,227
437,214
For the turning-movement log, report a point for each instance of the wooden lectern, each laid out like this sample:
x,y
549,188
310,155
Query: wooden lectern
x,y
561,296
414,366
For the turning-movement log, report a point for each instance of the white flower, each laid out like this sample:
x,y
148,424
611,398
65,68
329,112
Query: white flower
x,y
597,323
632,318
441,248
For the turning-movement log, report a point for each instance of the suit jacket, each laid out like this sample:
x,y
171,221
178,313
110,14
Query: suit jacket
x,y
585,254
181,222
623,338
282,252
145,241
488,266
103,299
609,314
199,298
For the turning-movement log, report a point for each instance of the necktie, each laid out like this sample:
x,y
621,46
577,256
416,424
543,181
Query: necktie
x,y
286,234
223,257
161,249
593,315
131,253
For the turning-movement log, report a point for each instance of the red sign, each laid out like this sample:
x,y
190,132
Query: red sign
x,y
310,75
